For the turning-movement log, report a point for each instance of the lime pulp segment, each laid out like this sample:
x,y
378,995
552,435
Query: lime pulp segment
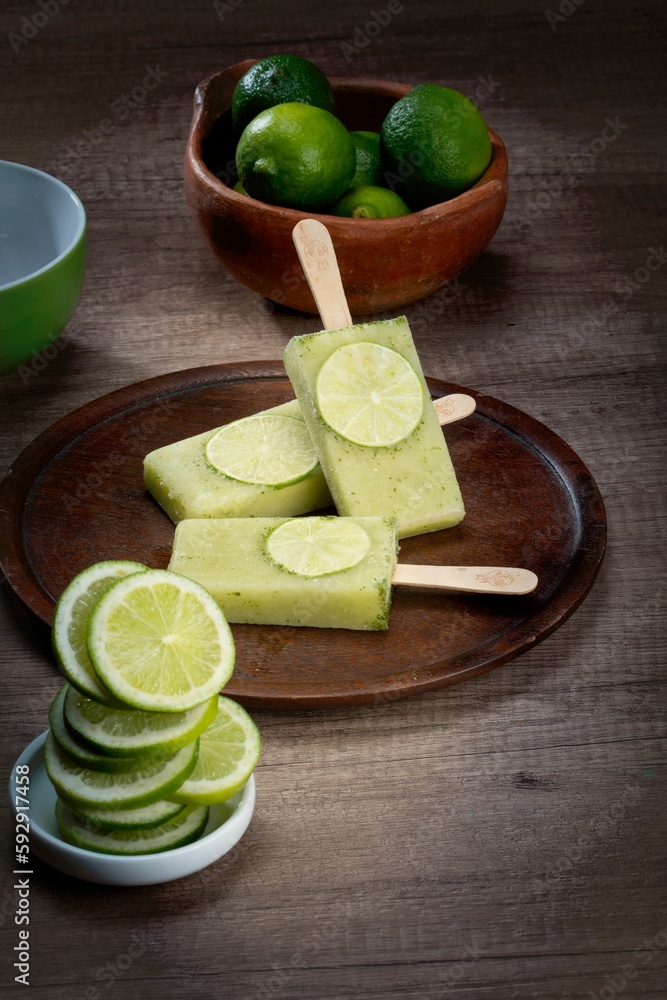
x,y
159,642
70,623
187,826
369,394
318,546
266,449
228,753
86,787
132,731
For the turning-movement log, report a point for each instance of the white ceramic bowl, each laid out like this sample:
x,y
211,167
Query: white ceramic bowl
x,y
222,832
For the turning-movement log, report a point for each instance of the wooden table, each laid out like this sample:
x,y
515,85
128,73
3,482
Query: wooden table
x,y
501,838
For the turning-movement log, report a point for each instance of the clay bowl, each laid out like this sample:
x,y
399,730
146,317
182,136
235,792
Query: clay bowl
x,y
385,263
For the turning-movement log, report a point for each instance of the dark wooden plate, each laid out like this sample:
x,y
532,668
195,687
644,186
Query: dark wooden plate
x,y
76,496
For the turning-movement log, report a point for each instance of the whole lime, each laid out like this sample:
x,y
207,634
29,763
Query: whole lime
x,y
435,144
239,187
370,202
279,79
367,149
297,156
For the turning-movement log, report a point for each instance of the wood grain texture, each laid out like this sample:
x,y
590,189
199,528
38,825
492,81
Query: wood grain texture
x,y
503,838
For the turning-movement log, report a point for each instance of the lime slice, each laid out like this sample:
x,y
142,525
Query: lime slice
x,y
142,818
159,642
117,791
267,449
77,750
317,546
228,753
369,394
70,624
186,827
123,732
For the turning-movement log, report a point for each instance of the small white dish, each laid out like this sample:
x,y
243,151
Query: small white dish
x,y
226,825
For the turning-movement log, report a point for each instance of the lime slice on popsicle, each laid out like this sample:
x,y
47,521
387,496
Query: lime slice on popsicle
x,y
184,829
70,623
369,394
228,753
317,546
159,642
266,449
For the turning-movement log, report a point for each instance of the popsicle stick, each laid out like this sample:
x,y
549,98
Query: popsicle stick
x,y
318,259
471,579
456,406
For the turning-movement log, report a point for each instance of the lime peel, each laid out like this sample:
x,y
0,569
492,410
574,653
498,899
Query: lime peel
x,y
70,623
228,753
131,731
140,818
184,829
86,787
75,748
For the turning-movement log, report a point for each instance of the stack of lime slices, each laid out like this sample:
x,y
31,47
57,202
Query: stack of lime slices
x,y
140,741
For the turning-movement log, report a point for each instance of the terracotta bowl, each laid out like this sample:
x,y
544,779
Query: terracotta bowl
x,y
385,263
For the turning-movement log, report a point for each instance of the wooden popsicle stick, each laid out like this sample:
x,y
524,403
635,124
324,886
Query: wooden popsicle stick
x,y
471,579
456,406
318,260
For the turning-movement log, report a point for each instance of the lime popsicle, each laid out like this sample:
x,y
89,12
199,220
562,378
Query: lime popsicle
x,y
364,398
365,401
324,572
259,466
199,476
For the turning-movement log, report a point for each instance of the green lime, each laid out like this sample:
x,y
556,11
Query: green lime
x,y
297,156
70,624
369,394
228,753
141,818
266,449
75,748
239,187
188,826
367,151
119,732
435,144
368,202
318,546
279,79
149,783
160,642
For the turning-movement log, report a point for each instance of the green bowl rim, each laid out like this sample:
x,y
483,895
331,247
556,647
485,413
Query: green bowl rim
x,y
80,232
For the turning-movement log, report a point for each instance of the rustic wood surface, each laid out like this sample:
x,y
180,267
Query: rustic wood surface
x,y
504,838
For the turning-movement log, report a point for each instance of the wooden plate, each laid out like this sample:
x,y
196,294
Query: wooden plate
x,y
76,496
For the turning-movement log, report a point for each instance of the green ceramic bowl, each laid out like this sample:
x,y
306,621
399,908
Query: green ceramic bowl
x,y
42,261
